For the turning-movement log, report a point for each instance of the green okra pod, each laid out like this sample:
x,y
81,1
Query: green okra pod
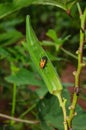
x,y
41,61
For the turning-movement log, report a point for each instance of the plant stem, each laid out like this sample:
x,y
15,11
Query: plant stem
x,y
27,111
62,104
13,70
79,9
13,103
18,119
79,67
69,53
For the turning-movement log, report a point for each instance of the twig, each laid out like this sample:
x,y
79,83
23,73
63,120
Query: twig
x,y
69,53
13,103
72,55
79,9
62,105
18,120
14,94
28,110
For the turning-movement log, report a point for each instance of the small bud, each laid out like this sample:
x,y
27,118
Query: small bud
x,y
71,107
77,90
74,73
65,122
75,114
83,64
77,52
82,30
65,100
68,12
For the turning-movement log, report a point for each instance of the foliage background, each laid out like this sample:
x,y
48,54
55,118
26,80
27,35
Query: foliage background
x,y
16,68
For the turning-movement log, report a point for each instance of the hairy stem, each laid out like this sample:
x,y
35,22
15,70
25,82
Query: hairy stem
x,y
79,67
62,105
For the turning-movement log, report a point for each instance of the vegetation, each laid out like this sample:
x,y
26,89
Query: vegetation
x,y
33,95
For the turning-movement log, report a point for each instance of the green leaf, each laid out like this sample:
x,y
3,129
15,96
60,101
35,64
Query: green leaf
x,y
50,113
7,8
42,90
56,3
58,42
23,77
54,58
10,37
79,122
70,3
64,4
10,23
3,53
52,34
36,52
10,7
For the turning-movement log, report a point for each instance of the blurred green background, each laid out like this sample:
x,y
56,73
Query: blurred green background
x,y
19,78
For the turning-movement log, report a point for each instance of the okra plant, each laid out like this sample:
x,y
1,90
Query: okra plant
x,y
48,73
34,87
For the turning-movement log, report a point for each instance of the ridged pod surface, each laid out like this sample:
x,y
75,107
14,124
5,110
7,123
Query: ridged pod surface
x,y
36,52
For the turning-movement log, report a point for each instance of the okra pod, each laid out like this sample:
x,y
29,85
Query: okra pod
x,y
42,61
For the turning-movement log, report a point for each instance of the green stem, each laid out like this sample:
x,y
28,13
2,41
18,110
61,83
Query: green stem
x,y
79,66
69,53
27,111
79,9
62,105
18,119
13,103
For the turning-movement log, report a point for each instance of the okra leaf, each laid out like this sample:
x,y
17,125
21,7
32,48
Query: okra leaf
x,y
40,58
7,8
48,114
23,77
65,4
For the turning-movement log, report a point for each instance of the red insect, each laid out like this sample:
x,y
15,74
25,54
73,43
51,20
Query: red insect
x,y
43,62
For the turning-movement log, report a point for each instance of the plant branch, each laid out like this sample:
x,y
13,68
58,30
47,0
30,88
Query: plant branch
x,y
14,94
72,55
79,9
27,111
18,120
13,102
69,53
62,105
79,67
